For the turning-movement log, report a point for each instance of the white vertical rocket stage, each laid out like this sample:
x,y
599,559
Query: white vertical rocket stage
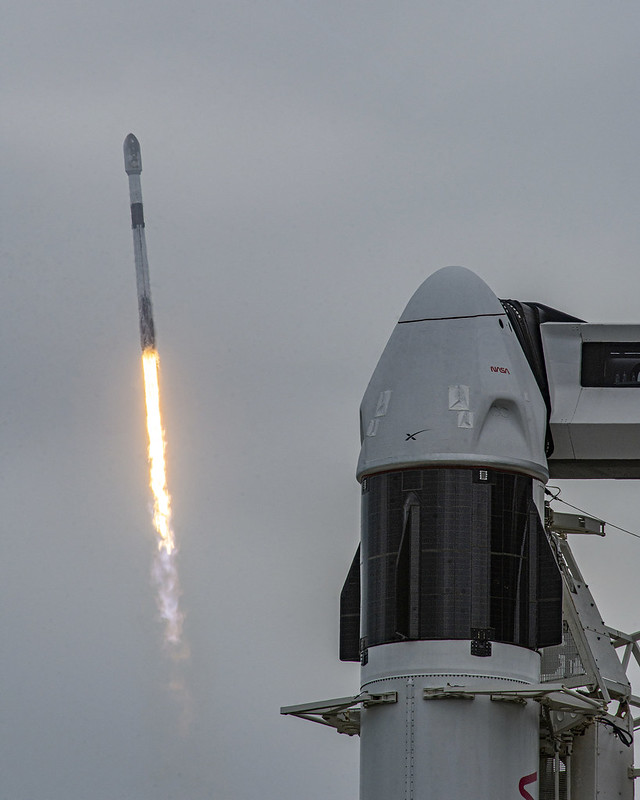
x,y
133,168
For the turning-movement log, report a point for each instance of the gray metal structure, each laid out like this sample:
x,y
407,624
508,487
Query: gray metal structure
x,y
593,372
133,168
486,668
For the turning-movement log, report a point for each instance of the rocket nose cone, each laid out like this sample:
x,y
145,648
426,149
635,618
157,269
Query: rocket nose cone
x,y
132,156
451,292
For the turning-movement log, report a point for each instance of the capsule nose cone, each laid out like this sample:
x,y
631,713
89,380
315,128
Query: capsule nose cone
x,y
449,293
132,156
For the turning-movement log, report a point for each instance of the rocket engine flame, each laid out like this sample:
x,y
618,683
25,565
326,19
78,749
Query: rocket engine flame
x,y
164,569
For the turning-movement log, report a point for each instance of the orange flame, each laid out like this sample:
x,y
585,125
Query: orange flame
x,y
164,571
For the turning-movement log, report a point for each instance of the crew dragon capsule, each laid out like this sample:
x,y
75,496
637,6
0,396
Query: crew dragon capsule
x,y
133,168
455,580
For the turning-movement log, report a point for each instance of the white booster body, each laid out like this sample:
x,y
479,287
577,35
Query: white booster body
x,y
451,748
458,584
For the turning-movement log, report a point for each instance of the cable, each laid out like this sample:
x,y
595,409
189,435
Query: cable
x,y
582,511
625,737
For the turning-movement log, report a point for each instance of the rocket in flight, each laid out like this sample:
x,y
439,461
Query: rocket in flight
x,y
133,168
164,571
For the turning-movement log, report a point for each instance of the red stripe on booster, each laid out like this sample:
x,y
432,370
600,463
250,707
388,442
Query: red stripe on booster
x,y
525,782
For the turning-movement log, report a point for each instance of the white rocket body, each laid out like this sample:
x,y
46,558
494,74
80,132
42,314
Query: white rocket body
x,y
133,168
458,584
451,748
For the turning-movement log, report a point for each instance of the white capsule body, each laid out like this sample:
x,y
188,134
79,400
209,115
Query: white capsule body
x,y
453,386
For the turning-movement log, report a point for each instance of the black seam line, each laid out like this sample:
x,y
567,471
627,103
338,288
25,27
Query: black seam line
x,y
445,674
440,319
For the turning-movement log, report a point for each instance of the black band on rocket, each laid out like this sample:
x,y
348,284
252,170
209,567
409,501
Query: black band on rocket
x,y
137,215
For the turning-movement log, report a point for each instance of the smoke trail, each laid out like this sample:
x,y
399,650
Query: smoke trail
x,y
164,571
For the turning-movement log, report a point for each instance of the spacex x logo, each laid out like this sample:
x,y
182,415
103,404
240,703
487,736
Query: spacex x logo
x,y
503,370
412,436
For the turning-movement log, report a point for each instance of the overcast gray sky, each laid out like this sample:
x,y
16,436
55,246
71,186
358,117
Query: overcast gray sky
x,y
306,166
